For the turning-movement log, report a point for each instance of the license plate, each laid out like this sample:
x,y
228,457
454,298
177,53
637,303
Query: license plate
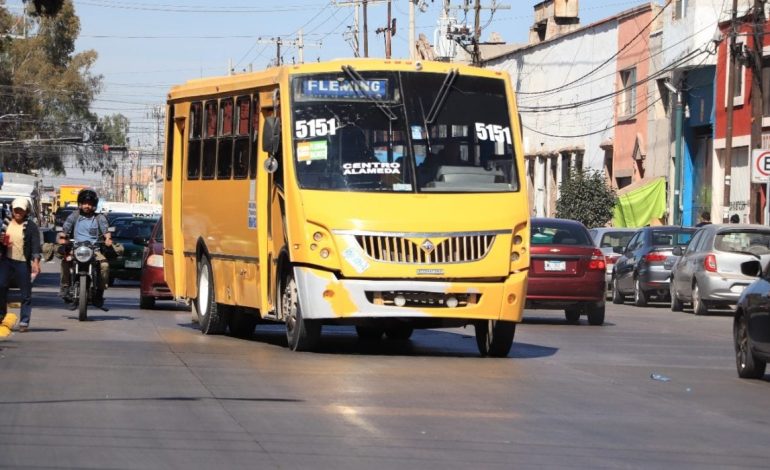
x,y
133,264
555,265
737,289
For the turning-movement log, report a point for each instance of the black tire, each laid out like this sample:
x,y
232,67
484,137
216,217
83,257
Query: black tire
x,y
595,314
676,304
572,314
241,323
146,302
494,337
369,333
617,296
212,321
699,307
301,334
111,281
399,332
640,297
748,365
83,299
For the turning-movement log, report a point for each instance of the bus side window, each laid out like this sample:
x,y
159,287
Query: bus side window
x,y
194,143
225,140
210,141
254,138
170,141
243,124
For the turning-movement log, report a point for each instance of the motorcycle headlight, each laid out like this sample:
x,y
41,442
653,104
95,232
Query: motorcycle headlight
x,y
83,253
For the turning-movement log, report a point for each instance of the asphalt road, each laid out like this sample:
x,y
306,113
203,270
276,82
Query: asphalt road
x,y
144,389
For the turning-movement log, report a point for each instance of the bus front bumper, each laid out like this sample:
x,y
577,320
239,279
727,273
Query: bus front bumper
x,y
323,296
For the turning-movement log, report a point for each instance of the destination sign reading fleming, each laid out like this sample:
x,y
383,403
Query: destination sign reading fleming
x,y
344,89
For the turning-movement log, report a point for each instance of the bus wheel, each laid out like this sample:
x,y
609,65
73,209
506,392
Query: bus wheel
x,y
301,334
211,319
494,337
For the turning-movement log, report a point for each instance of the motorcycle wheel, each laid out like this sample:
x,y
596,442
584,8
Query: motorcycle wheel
x,y
83,299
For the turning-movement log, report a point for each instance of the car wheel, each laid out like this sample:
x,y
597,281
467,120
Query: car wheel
x,y
699,307
212,321
640,298
617,296
146,302
369,333
748,365
301,334
399,332
572,314
596,314
676,304
494,337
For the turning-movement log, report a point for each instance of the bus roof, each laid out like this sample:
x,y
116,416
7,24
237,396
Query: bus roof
x,y
230,83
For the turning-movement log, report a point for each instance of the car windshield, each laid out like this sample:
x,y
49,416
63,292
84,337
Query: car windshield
x,y
671,238
159,233
131,229
544,233
378,134
750,241
615,239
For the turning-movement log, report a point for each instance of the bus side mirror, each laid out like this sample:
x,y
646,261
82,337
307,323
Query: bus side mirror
x,y
271,136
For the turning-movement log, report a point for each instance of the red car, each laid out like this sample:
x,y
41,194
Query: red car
x,y
153,284
566,270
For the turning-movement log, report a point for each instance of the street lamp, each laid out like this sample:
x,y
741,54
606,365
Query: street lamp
x,y
679,116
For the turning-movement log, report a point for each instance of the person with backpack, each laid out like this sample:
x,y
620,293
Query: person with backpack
x,y
20,259
85,224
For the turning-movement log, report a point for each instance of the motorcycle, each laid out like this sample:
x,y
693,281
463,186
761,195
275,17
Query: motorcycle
x,y
85,276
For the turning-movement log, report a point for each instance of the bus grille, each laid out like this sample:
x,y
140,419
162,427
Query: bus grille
x,y
445,250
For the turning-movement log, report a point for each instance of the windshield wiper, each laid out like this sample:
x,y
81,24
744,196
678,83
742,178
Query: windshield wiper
x,y
443,92
358,86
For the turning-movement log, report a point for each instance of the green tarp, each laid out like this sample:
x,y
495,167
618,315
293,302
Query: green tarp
x,y
642,206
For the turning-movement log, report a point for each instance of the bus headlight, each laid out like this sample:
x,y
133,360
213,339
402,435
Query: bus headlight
x,y
324,253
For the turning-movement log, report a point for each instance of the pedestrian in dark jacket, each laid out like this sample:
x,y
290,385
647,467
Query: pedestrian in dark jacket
x,y
20,258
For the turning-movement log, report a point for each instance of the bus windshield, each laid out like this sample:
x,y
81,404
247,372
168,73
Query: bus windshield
x,y
402,132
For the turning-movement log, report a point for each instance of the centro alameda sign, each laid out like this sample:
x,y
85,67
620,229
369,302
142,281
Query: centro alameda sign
x,y
760,166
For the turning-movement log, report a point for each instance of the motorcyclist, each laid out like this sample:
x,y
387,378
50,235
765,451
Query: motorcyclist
x,y
86,225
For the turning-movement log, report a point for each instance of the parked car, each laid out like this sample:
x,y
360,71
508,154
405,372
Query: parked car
x,y
644,268
751,323
153,284
612,241
111,216
61,215
133,234
708,274
566,270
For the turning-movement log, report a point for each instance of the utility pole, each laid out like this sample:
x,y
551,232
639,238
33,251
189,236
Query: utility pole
x,y
389,31
299,43
412,44
476,58
733,70
757,93
355,4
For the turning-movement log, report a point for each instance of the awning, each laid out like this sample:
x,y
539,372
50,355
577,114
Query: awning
x,y
641,203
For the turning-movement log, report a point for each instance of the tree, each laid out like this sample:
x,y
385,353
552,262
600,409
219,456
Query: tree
x,y
585,196
47,91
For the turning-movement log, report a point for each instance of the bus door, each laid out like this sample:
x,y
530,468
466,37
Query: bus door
x,y
173,243
269,202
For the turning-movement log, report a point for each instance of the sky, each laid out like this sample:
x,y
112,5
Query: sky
x,y
146,46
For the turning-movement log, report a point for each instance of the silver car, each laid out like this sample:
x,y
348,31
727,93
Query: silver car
x,y
612,241
708,274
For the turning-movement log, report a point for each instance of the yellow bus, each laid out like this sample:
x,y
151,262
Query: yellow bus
x,y
383,194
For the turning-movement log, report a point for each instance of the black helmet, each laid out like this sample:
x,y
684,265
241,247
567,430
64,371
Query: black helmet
x,y
88,195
